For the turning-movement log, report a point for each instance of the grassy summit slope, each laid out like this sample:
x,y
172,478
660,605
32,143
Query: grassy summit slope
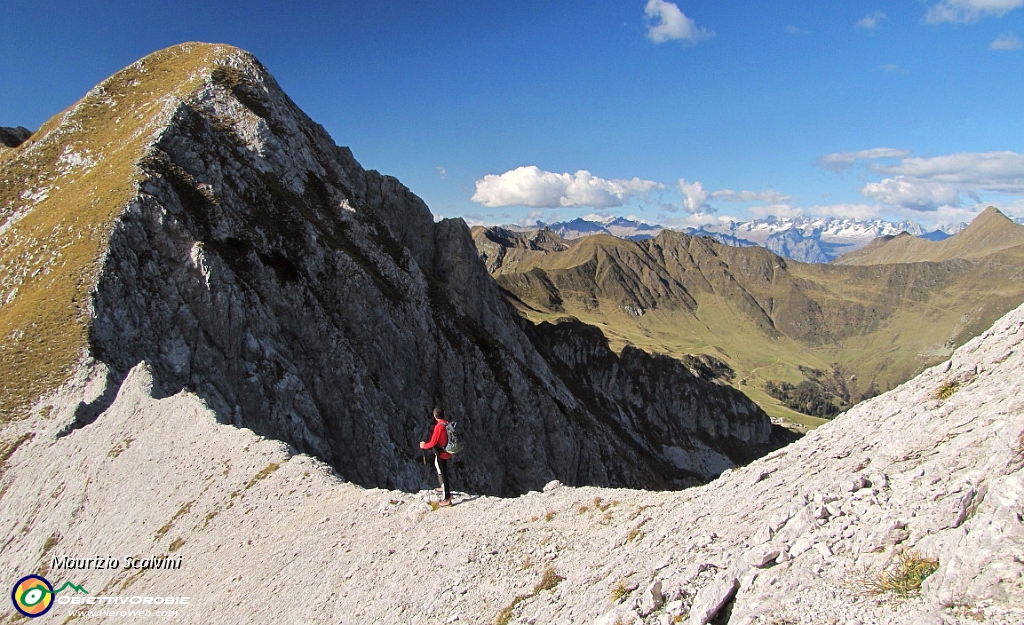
x,y
60,195
989,233
848,331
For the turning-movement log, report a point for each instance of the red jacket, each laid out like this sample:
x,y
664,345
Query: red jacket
x,y
439,439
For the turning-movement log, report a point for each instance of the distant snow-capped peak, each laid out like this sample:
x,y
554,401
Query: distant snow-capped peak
x,y
819,239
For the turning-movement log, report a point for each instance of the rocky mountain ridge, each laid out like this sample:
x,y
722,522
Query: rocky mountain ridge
x,y
226,241
815,337
814,533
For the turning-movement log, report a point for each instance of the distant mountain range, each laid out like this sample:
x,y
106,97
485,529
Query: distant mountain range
x,y
814,338
806,239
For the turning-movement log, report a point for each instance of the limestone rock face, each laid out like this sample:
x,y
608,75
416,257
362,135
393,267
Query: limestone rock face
x,y
317,303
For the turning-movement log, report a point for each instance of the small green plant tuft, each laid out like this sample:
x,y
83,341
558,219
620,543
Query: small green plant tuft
x,y
619,591
947,389
905,579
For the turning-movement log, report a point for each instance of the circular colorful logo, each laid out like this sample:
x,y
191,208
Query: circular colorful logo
x,y
32,596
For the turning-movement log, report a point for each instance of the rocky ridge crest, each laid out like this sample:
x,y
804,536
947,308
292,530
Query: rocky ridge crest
x,y
250,260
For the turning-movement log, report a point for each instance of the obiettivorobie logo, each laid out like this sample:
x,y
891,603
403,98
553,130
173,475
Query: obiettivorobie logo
x,y
33,595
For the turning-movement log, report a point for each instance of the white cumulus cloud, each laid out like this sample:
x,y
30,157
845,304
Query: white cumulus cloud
x,y
847,211
776,210
1006,41
945,182
964,11
695,197
920,195
1000,172
838,161
668,23
536,188
871,22
769,196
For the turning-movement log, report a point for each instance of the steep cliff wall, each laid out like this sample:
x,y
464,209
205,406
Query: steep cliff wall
x,y
258,265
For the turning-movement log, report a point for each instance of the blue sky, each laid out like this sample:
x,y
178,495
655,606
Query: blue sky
x,y
679,113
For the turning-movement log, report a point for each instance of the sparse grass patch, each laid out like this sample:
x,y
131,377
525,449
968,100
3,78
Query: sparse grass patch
x,y
582,510
7,449
209,517
619,591
1019,447
264,472
947,389
550,515
120,447
176,544
131,579
549,579
904,580
182,511
48,545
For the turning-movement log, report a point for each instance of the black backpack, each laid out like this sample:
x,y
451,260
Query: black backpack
x,y
454,445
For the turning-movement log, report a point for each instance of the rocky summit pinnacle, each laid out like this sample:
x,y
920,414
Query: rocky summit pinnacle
x,y
188,215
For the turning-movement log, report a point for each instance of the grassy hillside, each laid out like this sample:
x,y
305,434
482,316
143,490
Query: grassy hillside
x,y
60,194
820,337
990,232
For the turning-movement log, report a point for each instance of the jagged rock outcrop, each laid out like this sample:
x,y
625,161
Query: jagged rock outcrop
x,y
13,137
255,263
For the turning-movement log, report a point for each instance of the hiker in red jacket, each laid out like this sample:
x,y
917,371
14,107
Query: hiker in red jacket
x,y
437,442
